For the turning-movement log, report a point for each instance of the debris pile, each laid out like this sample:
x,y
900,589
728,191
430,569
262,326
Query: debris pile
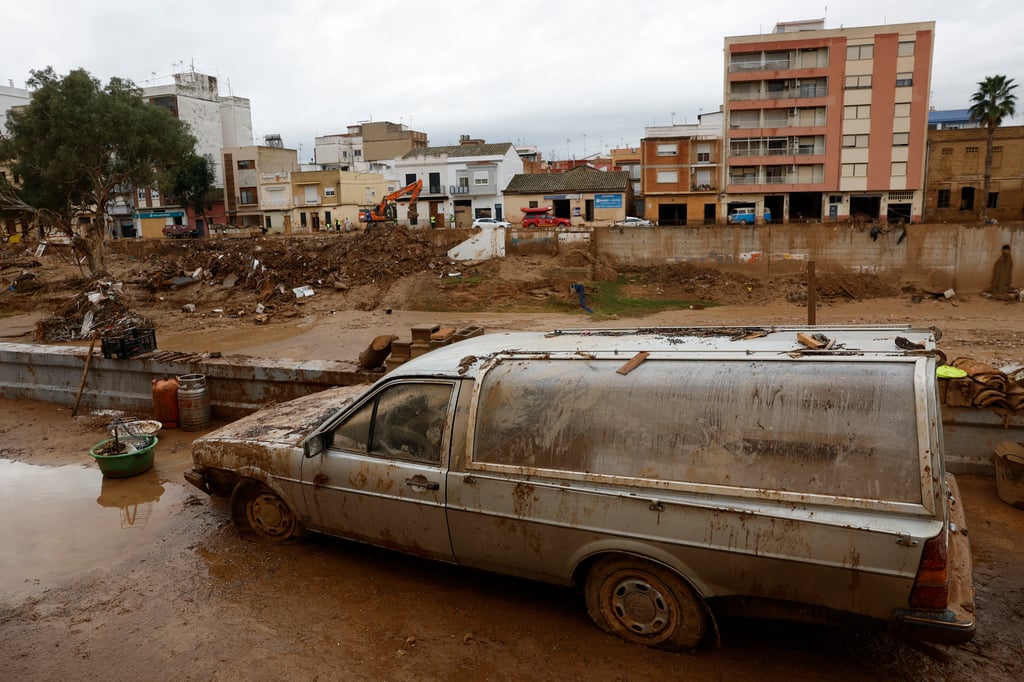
x,y
984,386
275,267
102,306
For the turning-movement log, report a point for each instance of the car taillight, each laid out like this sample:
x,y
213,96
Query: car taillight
x,y
931,586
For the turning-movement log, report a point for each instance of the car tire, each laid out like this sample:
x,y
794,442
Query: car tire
x,y
645,603
260,514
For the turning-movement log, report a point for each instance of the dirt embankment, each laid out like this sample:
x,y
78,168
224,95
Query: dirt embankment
x,y
154,283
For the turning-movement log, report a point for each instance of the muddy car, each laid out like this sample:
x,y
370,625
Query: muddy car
x,y
674,475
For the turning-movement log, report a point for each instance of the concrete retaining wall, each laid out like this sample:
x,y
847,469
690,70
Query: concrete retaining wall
x,y
237,386
940,256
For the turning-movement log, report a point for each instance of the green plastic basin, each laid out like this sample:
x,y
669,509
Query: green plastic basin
x,y
129,463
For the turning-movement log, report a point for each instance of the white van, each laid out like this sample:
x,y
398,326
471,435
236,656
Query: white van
x,y
674,475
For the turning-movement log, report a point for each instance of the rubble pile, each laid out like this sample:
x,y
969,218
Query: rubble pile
x,y
378,256
101,306
984,386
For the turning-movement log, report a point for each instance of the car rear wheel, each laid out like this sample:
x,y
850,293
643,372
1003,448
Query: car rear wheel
x,y
645,603
260,514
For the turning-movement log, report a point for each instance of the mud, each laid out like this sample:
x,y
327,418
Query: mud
x,y
86,594
148,580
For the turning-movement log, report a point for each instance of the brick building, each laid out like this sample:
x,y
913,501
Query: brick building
x,y
956,174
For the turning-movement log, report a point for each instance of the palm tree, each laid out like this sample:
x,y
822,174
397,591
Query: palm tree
x,y
993,102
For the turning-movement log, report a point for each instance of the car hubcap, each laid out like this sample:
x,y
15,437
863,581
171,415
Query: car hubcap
x,y
269,515
640,607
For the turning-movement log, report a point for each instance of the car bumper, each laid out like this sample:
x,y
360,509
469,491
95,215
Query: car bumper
x,y
197,479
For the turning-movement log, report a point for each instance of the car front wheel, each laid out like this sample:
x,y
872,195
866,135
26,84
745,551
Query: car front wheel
x,y
260,514
645,603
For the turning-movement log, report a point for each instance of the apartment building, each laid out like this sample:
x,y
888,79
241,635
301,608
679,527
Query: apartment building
x,y
680,175
828,124
367,147
215,121
322,198
257,186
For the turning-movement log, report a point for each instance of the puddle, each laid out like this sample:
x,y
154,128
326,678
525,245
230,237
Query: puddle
x,y
59,521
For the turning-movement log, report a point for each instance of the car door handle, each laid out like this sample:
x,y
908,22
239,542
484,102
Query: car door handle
x,y
421,482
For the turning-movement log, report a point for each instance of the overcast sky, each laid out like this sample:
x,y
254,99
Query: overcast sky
x,y
570,77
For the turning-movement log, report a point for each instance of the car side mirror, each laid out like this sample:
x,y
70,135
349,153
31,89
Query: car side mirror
x,y
313,445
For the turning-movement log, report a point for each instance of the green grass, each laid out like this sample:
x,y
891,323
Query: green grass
x,y
608,301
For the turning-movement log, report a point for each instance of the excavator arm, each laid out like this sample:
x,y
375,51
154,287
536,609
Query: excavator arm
x,y
386,211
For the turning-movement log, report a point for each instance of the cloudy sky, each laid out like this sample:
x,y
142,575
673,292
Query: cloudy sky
x,y
570,77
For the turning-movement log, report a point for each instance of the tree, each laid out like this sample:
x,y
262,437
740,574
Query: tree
x,y
993,101
191,182
77,145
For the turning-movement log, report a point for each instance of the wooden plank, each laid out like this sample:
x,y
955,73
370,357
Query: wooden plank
x,y
633,363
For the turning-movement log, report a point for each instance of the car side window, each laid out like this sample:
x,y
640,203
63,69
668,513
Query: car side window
x,y
404,420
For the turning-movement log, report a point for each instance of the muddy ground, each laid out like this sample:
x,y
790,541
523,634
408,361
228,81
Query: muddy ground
x,y
145,578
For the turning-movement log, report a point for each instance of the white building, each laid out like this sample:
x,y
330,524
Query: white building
x,y
460,182
216,122
11,97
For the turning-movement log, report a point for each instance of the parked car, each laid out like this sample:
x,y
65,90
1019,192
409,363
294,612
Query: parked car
x,y
674,475
181,231
747,216
491,222
631,221
545,220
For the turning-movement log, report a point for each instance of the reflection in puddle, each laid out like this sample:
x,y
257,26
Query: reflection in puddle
x,y
133,496
53,527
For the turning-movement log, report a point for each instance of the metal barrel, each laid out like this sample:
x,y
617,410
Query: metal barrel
x,y
193,402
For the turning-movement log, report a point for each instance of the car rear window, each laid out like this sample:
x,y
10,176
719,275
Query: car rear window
x,y
818,427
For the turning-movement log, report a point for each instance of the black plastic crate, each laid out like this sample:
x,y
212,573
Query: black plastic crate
x,y
133,342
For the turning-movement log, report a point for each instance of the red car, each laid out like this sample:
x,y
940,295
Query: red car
x,y
540,217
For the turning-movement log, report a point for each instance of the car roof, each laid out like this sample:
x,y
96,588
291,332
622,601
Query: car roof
x,y
465,358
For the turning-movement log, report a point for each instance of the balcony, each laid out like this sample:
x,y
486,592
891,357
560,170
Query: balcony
x,y
458,189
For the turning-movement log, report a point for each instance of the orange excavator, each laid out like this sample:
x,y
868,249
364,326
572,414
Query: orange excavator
x,y
386,211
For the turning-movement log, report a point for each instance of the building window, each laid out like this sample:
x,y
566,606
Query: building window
x,y
901,110
971,150
464,184
328,191
410,178
667,177
906,49
947,151
247,195
900,139
904,80
943,199
358,153
855,140
703,153
853,111
141,194
246,164
855,170
480,178
993,200
899,168
857,82
667,149
302,218
860,52
434,182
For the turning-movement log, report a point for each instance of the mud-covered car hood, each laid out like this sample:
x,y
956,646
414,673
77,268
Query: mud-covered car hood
x,y
285,424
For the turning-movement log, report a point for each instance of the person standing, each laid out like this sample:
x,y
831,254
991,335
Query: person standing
x,y
1002,273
